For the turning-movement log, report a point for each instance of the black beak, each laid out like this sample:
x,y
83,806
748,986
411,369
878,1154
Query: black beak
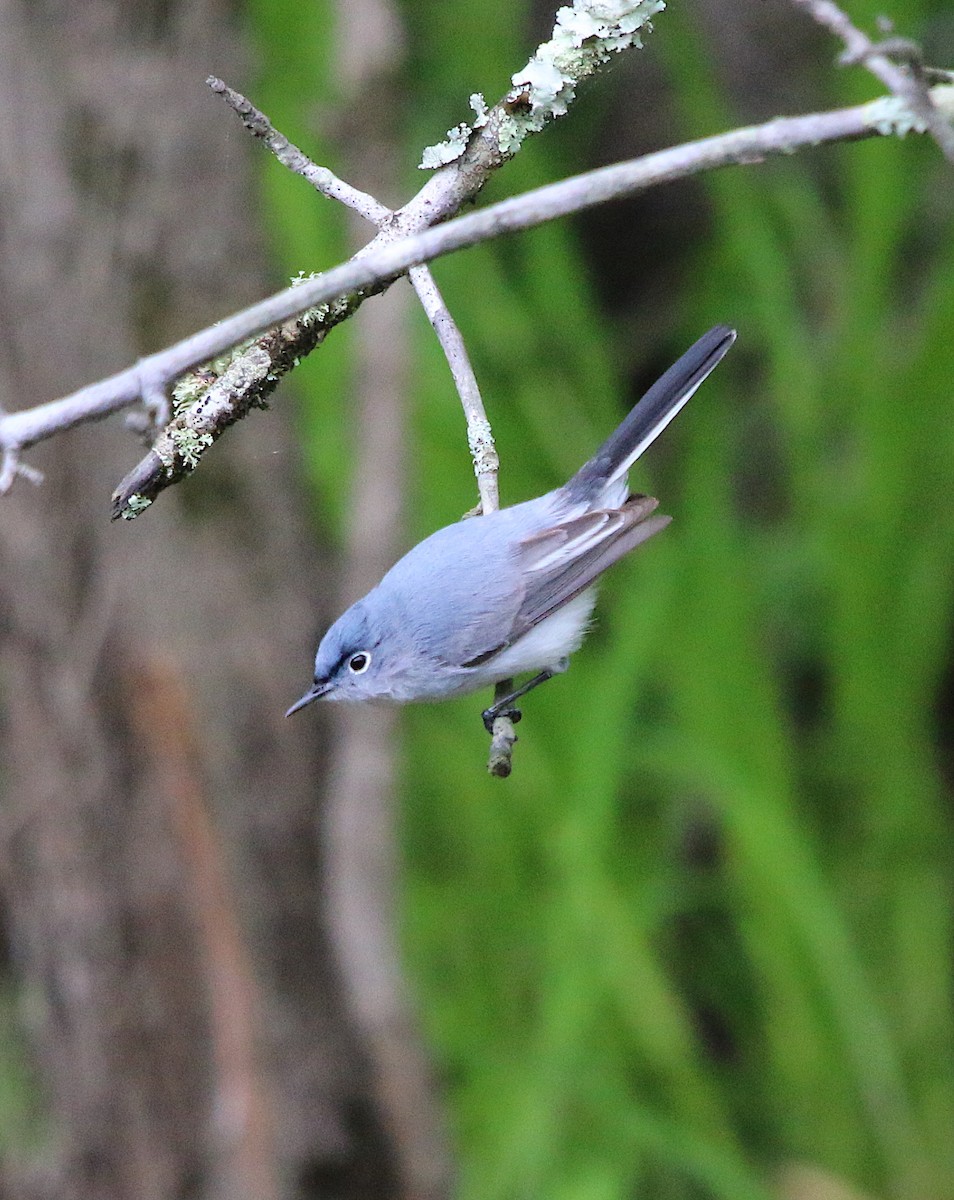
x,y
317,691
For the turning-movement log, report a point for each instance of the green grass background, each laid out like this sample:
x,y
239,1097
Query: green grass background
x,y
702,936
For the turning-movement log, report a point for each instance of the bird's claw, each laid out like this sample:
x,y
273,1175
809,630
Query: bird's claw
x,y
489,715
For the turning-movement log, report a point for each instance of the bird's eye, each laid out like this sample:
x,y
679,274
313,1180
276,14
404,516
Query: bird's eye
x,y
359,663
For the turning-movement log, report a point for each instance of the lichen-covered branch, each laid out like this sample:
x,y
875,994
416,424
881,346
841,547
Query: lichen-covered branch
x,y
392,254
382,261
206,402
905,78
584,38
480,436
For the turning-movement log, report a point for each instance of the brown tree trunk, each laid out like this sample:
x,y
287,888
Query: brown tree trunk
x,y
157,851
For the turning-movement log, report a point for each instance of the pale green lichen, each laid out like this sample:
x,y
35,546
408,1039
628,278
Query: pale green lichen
x,y
479,106
483,451
191,388
221,364
510,133
447,151
311,316
190,445
134,506
314,316
188,390
584,36
891,116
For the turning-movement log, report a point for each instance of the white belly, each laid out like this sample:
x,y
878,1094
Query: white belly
x,y
555,638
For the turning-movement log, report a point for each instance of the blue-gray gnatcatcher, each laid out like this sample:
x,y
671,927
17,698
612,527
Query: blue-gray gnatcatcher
x,y
500,595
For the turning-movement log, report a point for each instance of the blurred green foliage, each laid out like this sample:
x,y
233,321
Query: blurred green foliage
x,y
703,934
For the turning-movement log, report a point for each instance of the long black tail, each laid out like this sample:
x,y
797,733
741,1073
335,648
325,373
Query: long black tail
x,y
651,414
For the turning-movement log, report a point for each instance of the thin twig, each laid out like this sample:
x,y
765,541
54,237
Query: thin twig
x,y
8,470
158,410
11,466
480,436
289,155
907,82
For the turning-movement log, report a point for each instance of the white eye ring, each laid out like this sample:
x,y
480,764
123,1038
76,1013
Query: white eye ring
x,y
359,663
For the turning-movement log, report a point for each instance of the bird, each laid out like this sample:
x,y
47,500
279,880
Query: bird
x,y
500,595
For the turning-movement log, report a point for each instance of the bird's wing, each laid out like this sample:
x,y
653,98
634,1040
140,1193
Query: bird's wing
x,y
561,561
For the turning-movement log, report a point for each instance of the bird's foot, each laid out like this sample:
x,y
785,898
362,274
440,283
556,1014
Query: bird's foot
x,y
491,714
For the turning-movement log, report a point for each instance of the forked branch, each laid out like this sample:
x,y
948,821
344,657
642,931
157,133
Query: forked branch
x,y
897,62
299,317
